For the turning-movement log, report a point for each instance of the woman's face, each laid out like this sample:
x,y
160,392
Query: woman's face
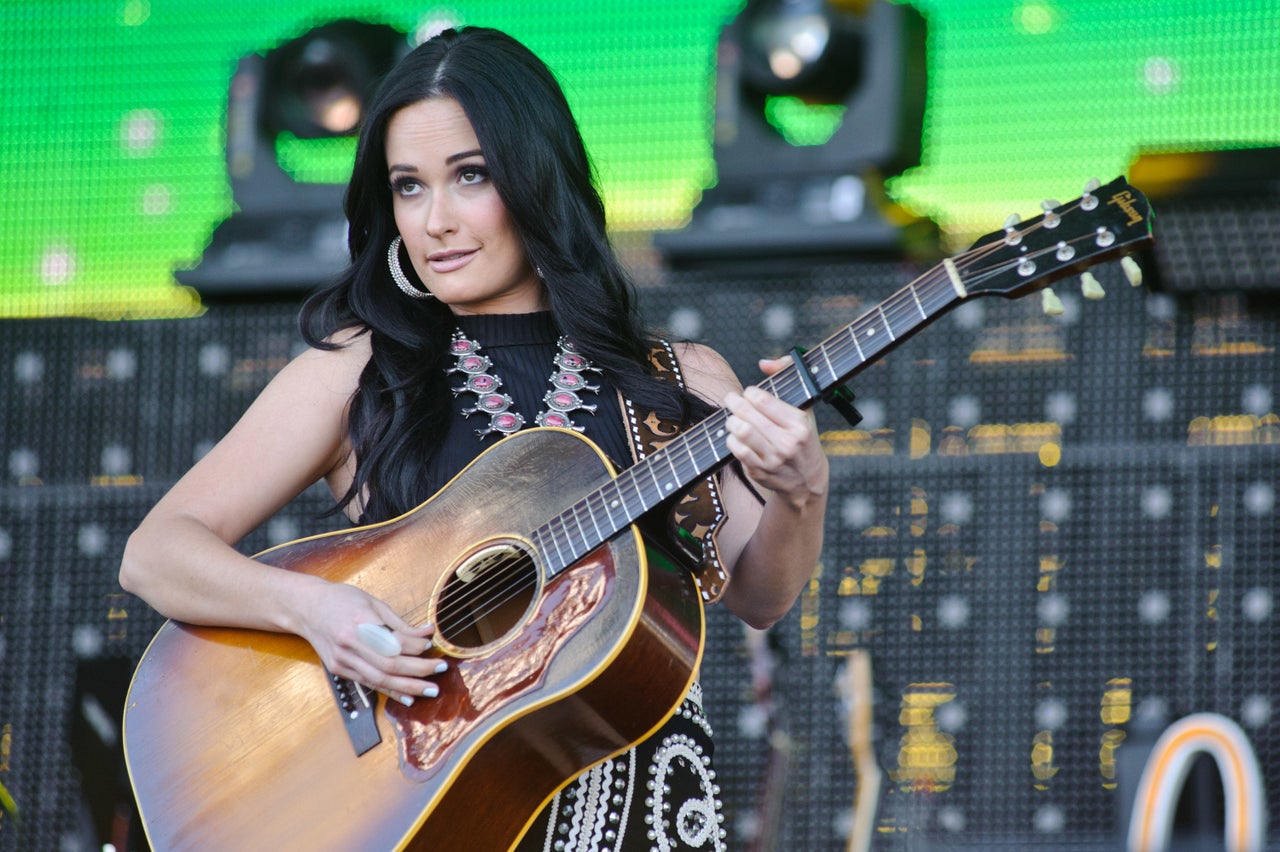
x,y
455,227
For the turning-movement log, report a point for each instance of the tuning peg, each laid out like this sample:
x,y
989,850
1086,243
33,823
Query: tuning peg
x,y
1090,287
1131,270
1050,302
1012,236
1088,200
1051,219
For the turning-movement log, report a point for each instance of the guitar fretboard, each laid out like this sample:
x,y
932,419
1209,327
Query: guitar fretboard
x,y
700,449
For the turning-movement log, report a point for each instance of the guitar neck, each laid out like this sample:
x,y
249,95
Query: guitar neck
x,y
701,449
868,338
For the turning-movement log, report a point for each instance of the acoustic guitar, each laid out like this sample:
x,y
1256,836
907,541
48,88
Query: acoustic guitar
x,y
569,638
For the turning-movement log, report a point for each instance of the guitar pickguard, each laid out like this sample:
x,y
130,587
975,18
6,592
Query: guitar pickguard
x,y
483,691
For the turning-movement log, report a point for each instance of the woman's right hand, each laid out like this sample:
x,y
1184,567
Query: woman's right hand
x,y
330,616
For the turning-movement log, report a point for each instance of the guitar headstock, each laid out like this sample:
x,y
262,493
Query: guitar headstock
x,y
1104,223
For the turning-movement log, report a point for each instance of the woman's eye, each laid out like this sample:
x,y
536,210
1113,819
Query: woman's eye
x,y
405,187
472,174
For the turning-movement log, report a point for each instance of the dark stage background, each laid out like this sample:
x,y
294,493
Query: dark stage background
x,y
1052,536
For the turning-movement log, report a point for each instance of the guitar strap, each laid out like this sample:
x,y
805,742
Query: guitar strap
x,y
696,517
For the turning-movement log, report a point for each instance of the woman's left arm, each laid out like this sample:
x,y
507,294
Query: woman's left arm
x,y
769,550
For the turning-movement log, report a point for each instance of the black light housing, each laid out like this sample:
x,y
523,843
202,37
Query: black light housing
x,y
773,199
286,236
800,47
317,84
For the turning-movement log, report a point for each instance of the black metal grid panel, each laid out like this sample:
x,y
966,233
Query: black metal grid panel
x,y
63,613
69,638
88,401
1220,244
223,361
60,377
1057,617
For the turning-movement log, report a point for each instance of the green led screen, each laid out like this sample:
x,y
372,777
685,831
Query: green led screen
x,y
112,171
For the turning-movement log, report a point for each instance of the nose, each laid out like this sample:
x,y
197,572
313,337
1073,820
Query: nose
x,y
440,216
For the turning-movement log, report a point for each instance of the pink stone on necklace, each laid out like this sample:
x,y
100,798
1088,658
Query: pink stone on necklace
x,y
561,399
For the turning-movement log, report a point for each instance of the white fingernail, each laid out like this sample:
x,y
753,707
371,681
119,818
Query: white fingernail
x,y
430,690
406,700
442,667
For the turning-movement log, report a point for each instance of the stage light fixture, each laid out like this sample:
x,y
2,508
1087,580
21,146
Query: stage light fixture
x,y
800,47
780,196
288,234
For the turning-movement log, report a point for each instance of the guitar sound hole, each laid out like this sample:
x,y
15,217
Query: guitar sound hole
x,y
486,596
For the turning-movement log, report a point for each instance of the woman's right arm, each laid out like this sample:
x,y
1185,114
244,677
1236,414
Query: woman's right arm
x,y
181,559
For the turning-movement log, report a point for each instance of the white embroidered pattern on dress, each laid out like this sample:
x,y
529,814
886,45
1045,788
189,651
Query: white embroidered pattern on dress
x,y
592,813
697,824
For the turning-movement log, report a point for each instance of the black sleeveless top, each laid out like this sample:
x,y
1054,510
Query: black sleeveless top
x,y
522,348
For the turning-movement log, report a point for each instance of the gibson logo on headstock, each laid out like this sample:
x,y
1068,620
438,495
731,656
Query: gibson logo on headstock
x,y
1124,200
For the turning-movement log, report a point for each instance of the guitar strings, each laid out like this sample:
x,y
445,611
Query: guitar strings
x,y
500,583
469,603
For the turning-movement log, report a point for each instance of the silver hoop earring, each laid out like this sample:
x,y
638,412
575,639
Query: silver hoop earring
x,y
397,274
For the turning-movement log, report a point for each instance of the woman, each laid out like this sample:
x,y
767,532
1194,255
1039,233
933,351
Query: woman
x,y
475,233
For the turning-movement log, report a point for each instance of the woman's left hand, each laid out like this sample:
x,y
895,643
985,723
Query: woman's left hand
x,y
777,443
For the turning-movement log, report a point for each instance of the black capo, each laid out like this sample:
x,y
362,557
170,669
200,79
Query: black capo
x,y
837,396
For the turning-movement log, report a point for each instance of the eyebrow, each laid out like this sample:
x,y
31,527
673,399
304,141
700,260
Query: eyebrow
x,y
449,161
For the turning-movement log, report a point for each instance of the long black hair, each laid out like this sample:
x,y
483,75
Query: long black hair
x,y
541,171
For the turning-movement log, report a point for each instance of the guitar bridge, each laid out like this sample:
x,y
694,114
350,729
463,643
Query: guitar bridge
x,y
356,705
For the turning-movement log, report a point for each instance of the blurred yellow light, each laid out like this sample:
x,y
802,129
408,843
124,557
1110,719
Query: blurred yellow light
x,y
1050,454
